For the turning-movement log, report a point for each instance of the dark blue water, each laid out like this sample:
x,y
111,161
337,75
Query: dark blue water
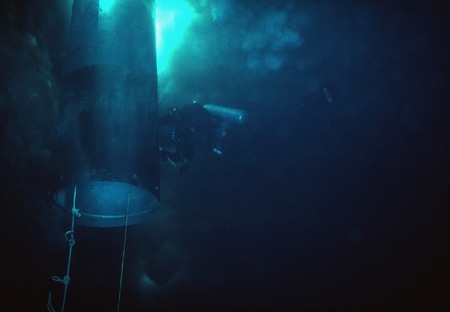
x,y
333,196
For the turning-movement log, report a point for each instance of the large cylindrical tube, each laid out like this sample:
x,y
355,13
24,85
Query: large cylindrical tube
x,y
106,133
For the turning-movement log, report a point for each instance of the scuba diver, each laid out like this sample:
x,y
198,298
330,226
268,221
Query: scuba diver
x,y
192,125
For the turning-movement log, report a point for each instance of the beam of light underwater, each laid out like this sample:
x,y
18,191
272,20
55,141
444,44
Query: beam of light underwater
x,y
173,17
106,5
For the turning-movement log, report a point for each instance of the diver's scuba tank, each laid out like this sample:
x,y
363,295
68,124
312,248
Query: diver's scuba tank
x,y
228,114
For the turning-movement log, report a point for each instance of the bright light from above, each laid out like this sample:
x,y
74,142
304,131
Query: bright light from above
x,y
106,5
172,19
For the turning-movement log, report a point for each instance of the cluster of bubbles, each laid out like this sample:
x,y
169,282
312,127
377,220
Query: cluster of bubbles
x,y
267,41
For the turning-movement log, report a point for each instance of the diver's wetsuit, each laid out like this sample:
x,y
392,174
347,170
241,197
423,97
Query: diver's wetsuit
x,y
191,124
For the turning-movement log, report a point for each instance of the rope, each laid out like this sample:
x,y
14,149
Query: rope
x,y
50,307
123,254
70,238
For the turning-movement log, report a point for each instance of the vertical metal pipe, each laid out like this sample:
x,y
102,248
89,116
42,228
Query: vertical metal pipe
x,y
106,134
